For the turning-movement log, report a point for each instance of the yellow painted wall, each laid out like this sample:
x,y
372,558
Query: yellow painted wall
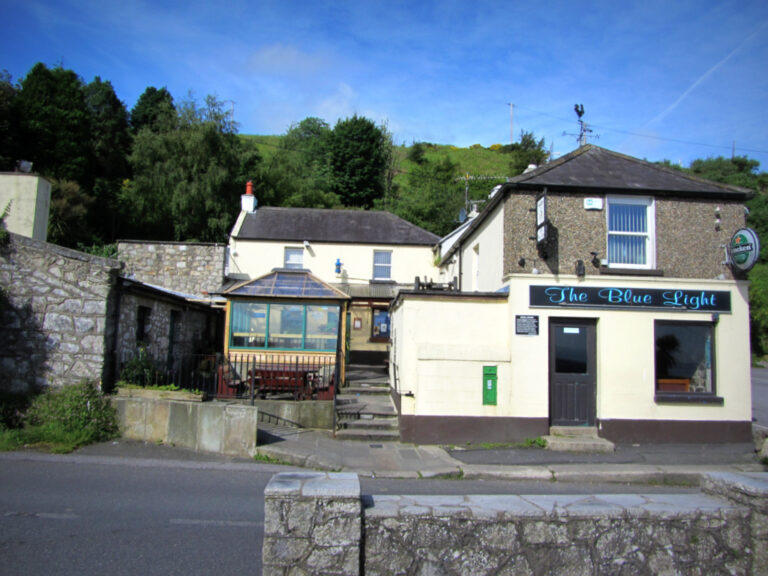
x,y
251,259
440,346
30,199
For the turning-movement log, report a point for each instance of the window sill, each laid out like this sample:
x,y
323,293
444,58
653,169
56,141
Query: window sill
x,y
606,271
683,398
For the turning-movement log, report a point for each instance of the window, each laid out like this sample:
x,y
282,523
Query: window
x,y
282,326
631,233
294,258
380,324
382,265
684,359
142,324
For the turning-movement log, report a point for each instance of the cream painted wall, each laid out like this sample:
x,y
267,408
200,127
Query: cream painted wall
x,y
440,345
482,255
438,355
626,351
30,199
251,259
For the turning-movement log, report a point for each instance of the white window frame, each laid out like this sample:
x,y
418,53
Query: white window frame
x,y
380,265
290,263
649,234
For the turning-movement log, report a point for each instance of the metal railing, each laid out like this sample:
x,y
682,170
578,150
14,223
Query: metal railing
x,y
243,376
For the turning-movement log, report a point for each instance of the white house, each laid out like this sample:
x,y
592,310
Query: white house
x,y
368,255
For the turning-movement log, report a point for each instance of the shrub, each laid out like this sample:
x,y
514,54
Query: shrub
x,y
140,370
69,417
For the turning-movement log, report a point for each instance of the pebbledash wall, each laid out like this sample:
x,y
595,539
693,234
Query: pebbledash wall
x,y
188,267
55,311
318,523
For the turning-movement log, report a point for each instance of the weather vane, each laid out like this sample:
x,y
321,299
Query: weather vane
x,y
584,129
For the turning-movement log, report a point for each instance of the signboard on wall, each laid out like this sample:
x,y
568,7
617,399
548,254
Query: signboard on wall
x,y
744,249
669,300
527,325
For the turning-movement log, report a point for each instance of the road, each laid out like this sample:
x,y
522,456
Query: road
x,y
182,513
760,396
73,515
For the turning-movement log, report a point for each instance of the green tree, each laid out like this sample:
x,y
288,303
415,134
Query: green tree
x,y
55,126
298,174
8,123
154,110
68,218
527,151
190,176
359,155
110,146
432,199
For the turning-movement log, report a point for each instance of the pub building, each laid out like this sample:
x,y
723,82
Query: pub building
x,y
596,292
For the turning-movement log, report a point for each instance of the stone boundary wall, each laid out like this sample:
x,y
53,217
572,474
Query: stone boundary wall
x,y
188,267
229,429
56,308
317,523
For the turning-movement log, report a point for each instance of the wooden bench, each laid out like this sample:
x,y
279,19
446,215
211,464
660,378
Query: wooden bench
x,y
674,384
283,380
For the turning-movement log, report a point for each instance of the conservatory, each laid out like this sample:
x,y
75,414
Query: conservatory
x,y
285,334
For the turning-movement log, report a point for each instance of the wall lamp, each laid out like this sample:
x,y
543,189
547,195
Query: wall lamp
x,y
581,270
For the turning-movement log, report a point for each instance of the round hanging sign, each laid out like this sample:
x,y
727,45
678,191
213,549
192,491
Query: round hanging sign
x,y
745,249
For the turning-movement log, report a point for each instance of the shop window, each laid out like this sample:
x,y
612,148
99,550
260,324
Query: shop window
x,y
380,325
294,258
684,360
631,232
382,265
283,326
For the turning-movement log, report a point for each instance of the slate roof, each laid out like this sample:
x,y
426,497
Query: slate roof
x,y
594,170
334,226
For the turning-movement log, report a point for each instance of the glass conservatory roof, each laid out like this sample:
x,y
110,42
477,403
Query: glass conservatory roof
x,y
287,284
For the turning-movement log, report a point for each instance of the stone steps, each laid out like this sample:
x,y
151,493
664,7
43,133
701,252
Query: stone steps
x,y
364,408
577,439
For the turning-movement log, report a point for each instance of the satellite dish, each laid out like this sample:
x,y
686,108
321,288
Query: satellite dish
x,y
462,215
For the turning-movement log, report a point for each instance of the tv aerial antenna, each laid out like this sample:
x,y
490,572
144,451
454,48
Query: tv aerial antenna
x,y
585,132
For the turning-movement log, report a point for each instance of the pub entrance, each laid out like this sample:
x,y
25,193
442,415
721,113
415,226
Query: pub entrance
x,y
572,371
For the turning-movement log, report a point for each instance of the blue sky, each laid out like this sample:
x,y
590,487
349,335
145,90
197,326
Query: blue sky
x,y
658,80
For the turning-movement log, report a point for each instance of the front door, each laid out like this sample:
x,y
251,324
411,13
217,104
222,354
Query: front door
x,y
572,372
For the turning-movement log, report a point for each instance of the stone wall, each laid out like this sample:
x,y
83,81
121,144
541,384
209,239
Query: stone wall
x,y
311,528
688,243
56,313
188,267
194,328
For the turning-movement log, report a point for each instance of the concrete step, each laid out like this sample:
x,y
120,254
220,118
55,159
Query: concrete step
x,y
579,444
376,390
574,431
372,424
368,435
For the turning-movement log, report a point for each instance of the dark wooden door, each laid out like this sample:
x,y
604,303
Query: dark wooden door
x,y
572,372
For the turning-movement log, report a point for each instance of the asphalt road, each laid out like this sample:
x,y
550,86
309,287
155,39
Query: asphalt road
x,y
760,396
75,515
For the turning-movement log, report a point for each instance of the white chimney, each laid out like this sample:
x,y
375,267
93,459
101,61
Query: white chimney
x,y
248,200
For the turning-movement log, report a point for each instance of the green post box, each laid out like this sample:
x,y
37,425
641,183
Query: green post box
x,y
490,378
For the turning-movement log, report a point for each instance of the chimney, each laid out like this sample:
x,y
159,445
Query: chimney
x,y
248,200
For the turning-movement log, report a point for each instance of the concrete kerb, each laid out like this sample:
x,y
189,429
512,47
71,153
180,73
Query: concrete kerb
x,y
614,473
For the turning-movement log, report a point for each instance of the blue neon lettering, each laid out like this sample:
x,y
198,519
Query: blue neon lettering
x,y
624,296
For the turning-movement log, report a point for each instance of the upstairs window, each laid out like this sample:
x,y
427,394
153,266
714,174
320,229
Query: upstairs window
x,y
382,265
294,258
631,232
